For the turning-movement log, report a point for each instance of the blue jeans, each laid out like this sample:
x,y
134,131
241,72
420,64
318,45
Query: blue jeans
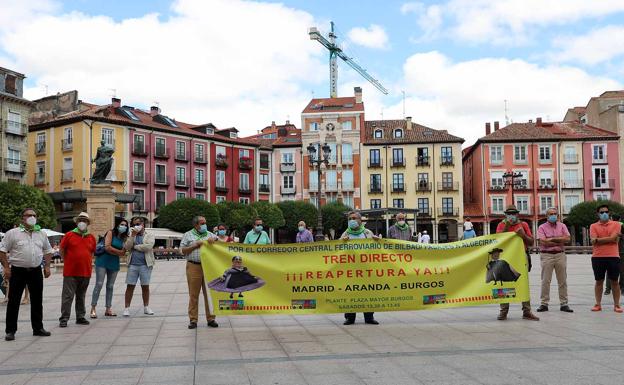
x,y
111,275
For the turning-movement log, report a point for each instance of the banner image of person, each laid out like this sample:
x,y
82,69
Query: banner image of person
x,y
365,275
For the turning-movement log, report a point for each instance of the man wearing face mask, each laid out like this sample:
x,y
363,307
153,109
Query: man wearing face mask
x,y
512,223
27,246
257,236
303,234
552,236
400,229
77,248
191,243
140,243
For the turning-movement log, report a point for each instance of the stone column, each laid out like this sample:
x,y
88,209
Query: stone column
x,y
101,208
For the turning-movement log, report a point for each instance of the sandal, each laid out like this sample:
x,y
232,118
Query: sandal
x,y
93,314
618,309
596,308
109,313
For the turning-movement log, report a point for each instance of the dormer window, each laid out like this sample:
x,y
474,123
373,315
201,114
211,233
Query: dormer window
x,y
378,134
233,135
210,131
398,133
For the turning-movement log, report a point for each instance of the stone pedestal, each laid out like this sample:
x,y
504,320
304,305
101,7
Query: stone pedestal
x,y
101,209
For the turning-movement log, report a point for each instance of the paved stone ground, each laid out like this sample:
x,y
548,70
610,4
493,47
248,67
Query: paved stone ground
x,y
453,346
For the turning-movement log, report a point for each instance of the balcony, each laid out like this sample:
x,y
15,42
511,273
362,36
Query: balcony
x,y
497,185
221,189
547,184
424,212
599,160
287,167
181,157
423,186
375,163
523,186
67,175
423,161
67,144
572,184
244,189
13,165
570,158
398,188
138,149
40,179
313,188
347,160
609,184
289,190
140,177
448,211
14,128
375,188
245,163
161,152
200,184
221,161
264,188
448,186
398,162
161,180
331,187
181,183
200,159
447,160
40,148
347,186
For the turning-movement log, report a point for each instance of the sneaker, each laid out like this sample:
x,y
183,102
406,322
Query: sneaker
x,y
542,308
148,311
126,312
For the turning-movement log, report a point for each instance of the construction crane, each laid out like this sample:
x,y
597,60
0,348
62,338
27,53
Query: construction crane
x,y
336,52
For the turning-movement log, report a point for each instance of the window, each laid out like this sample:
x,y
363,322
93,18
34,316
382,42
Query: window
x,y
264,160
375,203
139,171
571,178
243,153
314,182
570,201
40,145
398,133
346,126
161,199
244,201
220,151
544,154
447,180
161,146
264,180
332,153
199,177
161,173
180,195
14,123
14,156
68,135
570,155
520,154
397,156
108,136
331,180
139,202
139,142
496,154
243,180
423,206
498,204
423,181
447,206
347,179
600,153
347,153
347,201
422,157
314,201
397,182
546,178
523,181
601,196
522,204
546,202
288,158
220,178
600,177
314,126
220,198
497,182
180,175
180,150
398,203
378,134
199,152
201,197
375,180
129,114
447,155
375,157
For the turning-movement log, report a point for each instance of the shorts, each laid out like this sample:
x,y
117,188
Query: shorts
x,y
138,272
609,265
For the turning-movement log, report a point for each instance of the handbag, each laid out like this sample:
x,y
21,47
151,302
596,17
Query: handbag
x,y
100,247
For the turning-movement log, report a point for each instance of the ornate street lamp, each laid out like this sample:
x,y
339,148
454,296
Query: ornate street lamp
x,y
322,158
510,180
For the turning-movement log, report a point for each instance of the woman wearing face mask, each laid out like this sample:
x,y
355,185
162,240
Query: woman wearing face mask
x,y
107,265
303,234
356,230
222,234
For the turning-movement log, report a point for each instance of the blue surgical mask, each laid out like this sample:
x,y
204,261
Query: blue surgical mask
x,y
122,229
258,228
353,224
301,229
203,229
552,218
604,217
512,218
222,232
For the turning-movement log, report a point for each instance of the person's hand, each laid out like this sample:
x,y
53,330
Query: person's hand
x,y
520,231
7,273
344,238
46,271
376,237
593,241
212,240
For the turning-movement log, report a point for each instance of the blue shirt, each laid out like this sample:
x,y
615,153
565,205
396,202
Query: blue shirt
x,y
138,257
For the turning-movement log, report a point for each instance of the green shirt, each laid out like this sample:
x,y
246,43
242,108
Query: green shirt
x,y
262,238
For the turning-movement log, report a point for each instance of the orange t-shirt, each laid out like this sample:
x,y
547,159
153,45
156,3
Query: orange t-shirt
x,y
604,230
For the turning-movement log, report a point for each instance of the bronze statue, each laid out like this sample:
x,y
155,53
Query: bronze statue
x,y
103,163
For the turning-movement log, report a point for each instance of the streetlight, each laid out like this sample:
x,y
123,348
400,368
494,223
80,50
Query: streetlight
x,y
318,161
511,177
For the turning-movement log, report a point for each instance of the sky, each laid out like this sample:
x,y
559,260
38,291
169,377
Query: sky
x,y
451,65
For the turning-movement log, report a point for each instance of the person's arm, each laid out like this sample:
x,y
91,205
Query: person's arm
x,y
47,256
526,236
187,246
345,236
147,245
129,243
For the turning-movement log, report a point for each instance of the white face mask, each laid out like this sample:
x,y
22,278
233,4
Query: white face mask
x,y
138,228
82,226
31,221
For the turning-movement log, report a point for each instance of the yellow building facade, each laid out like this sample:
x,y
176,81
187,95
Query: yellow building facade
x,y
406,165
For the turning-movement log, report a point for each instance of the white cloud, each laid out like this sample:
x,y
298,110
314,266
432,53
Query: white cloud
x,y
599,45
462,96
15,13
372,37
211,60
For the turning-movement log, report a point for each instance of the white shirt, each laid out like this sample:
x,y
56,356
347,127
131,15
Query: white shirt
x,y
25,249
467,226
425,238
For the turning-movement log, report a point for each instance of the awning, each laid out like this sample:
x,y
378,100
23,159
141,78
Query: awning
x,y
162,233
81,196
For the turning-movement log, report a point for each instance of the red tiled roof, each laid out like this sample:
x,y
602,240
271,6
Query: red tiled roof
x,y
333,105
291,139
417,134
551,131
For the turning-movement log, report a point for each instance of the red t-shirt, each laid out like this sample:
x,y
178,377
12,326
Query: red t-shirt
x,y
512,228
78,254
605,230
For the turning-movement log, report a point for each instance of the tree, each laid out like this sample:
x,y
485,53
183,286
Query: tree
x,y
15,197
236,216
335,217
269,212
584,213
295,211
178,214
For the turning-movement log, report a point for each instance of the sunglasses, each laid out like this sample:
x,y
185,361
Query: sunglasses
x,y
603,212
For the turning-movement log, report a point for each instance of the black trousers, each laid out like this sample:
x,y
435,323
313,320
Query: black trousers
x,y
368,316
20,278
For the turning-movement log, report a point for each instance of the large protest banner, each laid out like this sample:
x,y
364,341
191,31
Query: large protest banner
x,y
364,275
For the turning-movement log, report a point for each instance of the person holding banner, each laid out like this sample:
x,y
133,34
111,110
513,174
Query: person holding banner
x,y
222,234
257,235
512,223
303,234
191,242
400,230
356,230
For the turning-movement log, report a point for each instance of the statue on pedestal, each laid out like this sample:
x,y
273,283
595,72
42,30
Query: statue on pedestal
x,y
103,163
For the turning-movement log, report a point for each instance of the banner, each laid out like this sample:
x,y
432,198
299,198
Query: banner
x,y
364,275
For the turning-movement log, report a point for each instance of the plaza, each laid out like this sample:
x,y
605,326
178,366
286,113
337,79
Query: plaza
x,y
451,346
